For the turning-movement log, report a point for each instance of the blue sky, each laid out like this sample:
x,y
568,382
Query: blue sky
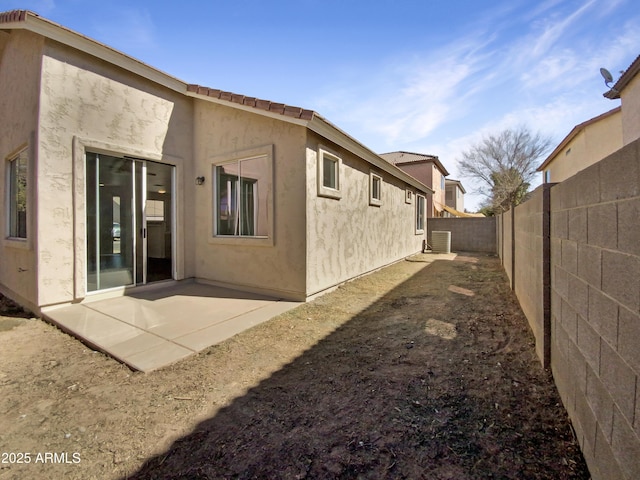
x,y
415,75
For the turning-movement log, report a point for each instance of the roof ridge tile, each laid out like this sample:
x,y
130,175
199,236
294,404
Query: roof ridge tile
x,y
253,102
15,16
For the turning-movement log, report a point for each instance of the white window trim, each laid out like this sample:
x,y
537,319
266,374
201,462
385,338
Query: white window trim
x,y
376,202
408,196
268,241
420,231
323,191
18,242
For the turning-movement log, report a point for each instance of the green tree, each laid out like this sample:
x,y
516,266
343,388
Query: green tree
x,y
504,164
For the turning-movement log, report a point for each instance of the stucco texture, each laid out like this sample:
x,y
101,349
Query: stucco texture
x,y
63,103
592,144
631,111
277,265
19,77
429,174
347,237
107,108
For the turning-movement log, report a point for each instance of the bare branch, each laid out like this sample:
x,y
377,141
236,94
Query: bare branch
x,y
504,164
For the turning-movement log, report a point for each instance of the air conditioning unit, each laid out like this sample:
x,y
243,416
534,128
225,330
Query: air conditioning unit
x,y
441,242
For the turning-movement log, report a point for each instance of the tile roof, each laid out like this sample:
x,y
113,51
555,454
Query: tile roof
x,y
15,16
281,108
18,16
402,158
315,122
624,80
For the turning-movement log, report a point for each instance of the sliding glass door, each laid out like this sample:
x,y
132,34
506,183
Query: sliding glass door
x,y
121,232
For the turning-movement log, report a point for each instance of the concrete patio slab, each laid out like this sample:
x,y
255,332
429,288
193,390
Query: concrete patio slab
x,y
149,329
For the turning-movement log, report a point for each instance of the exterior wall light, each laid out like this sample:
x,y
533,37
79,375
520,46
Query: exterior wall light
x,y
199,180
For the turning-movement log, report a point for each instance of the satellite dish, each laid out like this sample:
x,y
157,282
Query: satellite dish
x,y
606,74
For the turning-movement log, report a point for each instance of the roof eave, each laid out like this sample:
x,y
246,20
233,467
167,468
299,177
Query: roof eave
x,y
458,183
26,20
425,158
573,134
196,91
612,94
329,131
32,22
624,80
444,171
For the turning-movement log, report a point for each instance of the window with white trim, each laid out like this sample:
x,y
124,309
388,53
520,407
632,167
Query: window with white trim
x,y
329,167
408,196
241,197
17,180
375,189
420,207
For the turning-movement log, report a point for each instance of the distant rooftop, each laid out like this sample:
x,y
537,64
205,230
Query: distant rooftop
x,y
403,158
572,134
451,181
31,21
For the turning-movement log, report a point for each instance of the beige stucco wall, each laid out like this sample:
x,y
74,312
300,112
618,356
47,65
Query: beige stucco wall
x,y
459,200
19,78
590,145
429,174
457,197
438,193
631,111
90,105
64,103
275,266
347,237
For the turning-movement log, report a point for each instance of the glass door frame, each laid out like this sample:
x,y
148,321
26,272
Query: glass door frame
x,y
138,217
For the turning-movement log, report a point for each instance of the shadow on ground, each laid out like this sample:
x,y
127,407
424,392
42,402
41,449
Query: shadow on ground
x,y
437,379
11,314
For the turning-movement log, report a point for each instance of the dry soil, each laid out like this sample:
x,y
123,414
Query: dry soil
x,y
425,369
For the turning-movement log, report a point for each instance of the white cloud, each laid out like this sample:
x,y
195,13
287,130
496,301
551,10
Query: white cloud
x,y
608,6
410,98
546,77
552,31
551,72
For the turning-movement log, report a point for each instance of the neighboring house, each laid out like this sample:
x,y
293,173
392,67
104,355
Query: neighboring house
x,y
117,175
586,144
428,170
454,198
595,139
627,89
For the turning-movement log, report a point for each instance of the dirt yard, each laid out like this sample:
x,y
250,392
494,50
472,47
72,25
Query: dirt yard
x,y
425,369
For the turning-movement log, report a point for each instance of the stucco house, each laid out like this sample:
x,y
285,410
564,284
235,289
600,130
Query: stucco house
x,y
116,175
598,137
429,170
454,198
586,144
627,89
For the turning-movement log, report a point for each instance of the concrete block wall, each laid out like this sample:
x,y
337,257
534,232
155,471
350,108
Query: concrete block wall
x,y
586,281
595,310
499,236
507,245
531,244
467,234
